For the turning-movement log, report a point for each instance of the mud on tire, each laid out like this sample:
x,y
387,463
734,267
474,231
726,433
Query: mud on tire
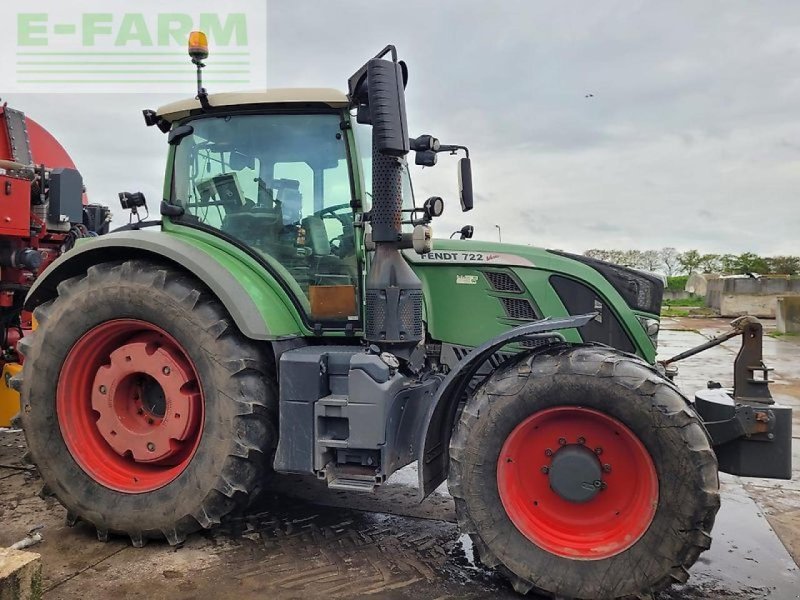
x,y
631,392
237,393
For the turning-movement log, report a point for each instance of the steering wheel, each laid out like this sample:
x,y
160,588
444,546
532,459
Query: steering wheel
x,y
346,219
331,210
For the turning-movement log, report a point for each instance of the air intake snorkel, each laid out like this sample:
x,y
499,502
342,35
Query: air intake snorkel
x,y
393,290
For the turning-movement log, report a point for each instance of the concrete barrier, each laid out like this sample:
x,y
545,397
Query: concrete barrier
x,y
697,283
20,575
673,295
788,314
743,295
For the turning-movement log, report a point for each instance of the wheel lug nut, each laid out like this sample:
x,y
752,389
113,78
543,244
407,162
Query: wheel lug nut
x,y
150,421
598,451
548,452
166,370
603,485
140,411
151,446
562,442
103,389
545,470
581,440
607,468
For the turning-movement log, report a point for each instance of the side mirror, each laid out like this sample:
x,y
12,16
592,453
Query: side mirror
x,y
467,232
465,184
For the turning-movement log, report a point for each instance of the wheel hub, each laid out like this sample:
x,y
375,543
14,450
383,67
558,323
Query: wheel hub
x,y
143,400
576,474
557,486
130,405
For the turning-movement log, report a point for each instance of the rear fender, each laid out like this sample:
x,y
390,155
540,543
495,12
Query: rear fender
x,y
236,285
434,441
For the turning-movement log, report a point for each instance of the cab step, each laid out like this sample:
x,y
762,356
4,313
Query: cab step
x,y
352,478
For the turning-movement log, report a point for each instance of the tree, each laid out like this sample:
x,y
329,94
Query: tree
x,y
784,265
750,262
632,259
689,261
651,260
710,263
612,256
729,263
669,259
596,253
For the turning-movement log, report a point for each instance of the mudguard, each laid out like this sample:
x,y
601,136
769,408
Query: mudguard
x,y
437,427
235,284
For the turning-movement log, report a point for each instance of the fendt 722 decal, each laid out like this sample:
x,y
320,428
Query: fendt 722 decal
x,y
460,257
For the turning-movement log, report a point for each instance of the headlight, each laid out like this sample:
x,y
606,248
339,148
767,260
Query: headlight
x,y
651,327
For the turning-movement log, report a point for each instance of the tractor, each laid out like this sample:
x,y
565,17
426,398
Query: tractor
x,y
290,313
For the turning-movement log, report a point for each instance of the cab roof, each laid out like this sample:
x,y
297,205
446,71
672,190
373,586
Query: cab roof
x,y
183,108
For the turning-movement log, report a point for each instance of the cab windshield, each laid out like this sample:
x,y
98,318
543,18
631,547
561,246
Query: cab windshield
x,y
280,184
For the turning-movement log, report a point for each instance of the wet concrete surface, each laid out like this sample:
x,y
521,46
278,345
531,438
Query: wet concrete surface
x,y
305,541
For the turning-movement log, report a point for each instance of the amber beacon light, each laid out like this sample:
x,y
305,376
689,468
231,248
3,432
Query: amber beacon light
x,y
198,45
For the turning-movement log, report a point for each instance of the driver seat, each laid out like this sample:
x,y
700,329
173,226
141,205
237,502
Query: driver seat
x,y
327,268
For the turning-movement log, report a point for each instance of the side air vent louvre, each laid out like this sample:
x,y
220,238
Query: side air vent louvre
x,y
519,308
503,282
535,343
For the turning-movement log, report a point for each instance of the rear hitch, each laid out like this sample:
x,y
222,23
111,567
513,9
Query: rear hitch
x,y
752,436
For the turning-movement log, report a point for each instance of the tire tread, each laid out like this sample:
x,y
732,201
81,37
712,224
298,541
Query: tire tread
x,y
632,373
246,365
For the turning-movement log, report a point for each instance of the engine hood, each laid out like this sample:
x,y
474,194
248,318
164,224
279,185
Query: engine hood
x,y
641,291
498,286
476,253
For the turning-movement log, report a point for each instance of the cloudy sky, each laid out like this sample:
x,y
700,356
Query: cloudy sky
x,y
691,137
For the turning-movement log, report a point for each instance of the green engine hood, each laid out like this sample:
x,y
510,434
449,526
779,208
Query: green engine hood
x,y
465,306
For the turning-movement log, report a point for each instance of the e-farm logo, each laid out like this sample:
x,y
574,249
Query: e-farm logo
x,y
110,47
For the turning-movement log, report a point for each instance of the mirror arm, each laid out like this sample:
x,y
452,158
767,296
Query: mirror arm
x,y
453,149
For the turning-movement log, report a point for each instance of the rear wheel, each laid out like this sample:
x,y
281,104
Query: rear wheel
x,y
570,465
144,408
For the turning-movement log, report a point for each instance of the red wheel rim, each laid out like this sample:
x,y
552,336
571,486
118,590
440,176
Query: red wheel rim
x,y
129,406
542,452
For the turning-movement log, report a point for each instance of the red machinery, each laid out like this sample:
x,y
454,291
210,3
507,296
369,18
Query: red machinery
x,y
43,211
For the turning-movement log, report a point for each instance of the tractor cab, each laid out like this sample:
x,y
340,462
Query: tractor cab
x,y
272,172
285,174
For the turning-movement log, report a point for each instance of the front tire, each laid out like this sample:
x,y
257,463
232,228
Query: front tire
x,y
145,410
581,473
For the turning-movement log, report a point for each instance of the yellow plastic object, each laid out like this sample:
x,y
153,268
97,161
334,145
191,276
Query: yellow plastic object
x,y
198,45
9,399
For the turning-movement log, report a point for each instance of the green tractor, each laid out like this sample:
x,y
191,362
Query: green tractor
x,y
289,313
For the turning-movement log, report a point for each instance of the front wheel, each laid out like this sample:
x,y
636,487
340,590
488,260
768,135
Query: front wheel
x,y
572,464
145,410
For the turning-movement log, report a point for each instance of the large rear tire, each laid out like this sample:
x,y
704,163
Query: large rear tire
x,y
144,408
581,473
